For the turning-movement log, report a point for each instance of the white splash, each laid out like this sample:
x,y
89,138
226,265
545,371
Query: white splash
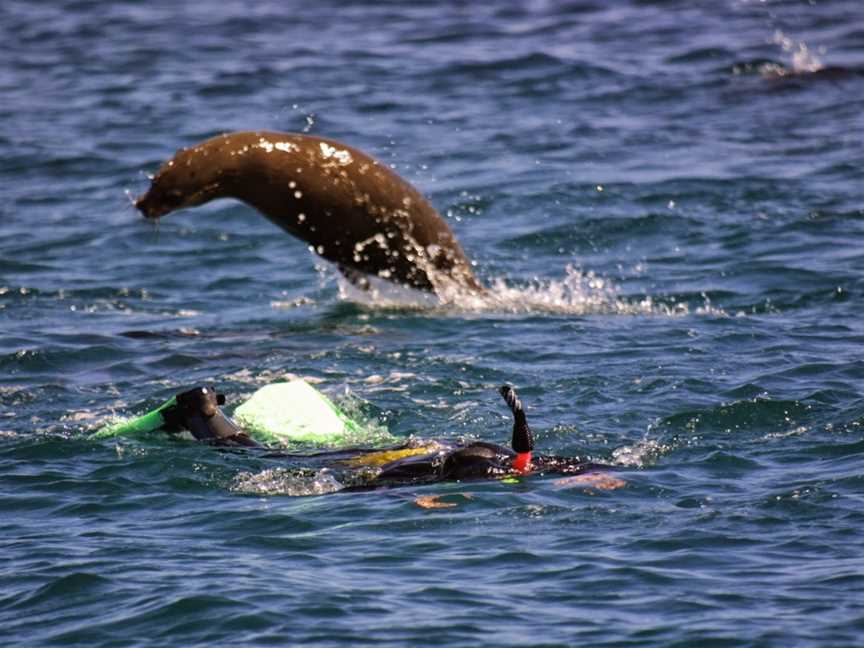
x,y
282,481
803,58
578,293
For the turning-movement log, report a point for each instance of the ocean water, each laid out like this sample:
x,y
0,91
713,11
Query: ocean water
x,y
666,200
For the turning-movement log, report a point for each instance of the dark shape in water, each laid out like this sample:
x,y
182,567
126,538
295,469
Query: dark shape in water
x,y
197,411
350,208
828,73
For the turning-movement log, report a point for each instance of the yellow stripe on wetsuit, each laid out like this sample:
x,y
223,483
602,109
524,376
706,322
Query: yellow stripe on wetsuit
x,y
376,459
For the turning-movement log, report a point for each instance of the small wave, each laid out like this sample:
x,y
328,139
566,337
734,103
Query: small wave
x,y
266,376
772,418
699,54
499,65
74,586
578,293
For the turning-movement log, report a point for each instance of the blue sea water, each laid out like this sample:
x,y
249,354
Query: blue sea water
x,y
666,200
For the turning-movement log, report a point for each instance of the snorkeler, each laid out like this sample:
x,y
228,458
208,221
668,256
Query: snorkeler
x,y
197,411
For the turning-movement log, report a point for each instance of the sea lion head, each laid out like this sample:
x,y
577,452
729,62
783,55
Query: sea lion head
x,y
189,179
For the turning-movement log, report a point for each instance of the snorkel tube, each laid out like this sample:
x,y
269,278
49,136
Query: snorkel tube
x,y
523,439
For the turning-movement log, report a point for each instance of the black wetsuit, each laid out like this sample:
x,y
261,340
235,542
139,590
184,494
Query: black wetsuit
x,y
198,411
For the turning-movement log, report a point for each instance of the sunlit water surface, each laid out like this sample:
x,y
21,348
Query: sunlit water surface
x,y
666,202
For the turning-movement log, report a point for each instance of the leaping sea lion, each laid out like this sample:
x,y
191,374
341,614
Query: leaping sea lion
x,y
350,208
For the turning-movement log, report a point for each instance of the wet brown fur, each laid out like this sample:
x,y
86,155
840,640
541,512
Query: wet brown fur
x,y
350,208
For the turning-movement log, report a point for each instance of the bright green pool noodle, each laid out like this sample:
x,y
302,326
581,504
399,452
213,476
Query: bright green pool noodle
x,y
280,413
147,423
294,411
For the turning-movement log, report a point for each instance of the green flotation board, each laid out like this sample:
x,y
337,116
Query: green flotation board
x,y
293,412
149,422
280,413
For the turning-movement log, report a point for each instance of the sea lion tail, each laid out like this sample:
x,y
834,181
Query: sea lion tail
x,y
523,437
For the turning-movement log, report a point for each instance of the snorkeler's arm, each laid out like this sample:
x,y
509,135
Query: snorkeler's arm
x,y
523,438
